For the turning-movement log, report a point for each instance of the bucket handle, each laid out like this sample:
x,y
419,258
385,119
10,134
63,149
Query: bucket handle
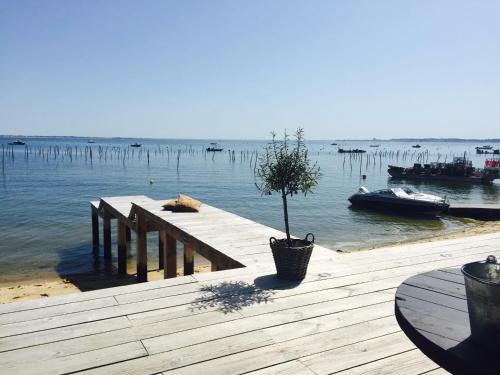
x,y
307,236
272,241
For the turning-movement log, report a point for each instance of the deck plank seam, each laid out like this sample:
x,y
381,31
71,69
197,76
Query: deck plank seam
x,y
243,317
435,303
376,360
433,290
278,325
307,280
446,280
282,343
291,308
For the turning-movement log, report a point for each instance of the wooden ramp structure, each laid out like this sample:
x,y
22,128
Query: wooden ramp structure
x,y
479,211
340,319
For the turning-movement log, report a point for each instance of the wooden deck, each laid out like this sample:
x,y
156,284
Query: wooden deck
x,y
340,319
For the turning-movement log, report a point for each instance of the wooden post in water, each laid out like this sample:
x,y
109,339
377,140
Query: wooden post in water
x,y
142,250
160,251
95,229
188,259
122,247
106,232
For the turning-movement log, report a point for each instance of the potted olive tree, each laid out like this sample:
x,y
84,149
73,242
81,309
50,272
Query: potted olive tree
x,y
285,168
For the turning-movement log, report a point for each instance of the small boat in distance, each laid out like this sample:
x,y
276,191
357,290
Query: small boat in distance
x,y
482,151
17,142
135,145
90,141
374,145
484,147
353,151
333,144
416,146
400,200
214,147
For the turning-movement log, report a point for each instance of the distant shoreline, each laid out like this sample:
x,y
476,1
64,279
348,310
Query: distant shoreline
x,y
430,140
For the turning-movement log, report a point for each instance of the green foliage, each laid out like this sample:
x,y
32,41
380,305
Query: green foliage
x,y
286,168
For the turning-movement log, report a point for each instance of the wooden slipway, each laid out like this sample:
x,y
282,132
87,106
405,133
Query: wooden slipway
x,y
487,211
340,319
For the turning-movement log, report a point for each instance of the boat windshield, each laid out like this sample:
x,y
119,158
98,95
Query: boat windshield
x,y
408,191
385,192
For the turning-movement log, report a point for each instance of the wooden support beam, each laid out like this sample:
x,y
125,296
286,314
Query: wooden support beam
x,y
95,229
188,259
128,235
122,247
213,267
106,229
160,252
169,255
142,250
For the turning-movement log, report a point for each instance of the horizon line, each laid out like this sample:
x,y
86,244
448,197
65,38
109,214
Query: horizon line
x,y
425,139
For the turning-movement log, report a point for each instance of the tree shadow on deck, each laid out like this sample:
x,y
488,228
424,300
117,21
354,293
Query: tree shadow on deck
x,y
232,296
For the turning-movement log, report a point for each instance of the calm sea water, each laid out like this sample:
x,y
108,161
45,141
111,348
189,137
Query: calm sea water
x,y
45,221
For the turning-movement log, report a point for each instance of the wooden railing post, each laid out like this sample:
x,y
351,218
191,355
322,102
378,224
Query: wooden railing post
x,y
188,259
142,251
122,247
95,229
106,231
161,254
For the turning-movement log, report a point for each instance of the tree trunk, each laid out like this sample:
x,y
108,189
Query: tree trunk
x,y
285,212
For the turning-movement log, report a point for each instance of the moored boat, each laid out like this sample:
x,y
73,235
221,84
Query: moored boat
x,y
135,145
483,150
353,151
17,142
416,146
401,200
460,170
214,147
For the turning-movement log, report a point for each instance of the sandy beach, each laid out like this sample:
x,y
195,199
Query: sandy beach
x,y
12,291
474,228
16,290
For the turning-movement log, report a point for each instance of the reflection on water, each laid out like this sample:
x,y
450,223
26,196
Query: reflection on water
x,y
45,221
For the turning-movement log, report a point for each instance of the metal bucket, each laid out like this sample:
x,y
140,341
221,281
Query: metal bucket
x,y
482,286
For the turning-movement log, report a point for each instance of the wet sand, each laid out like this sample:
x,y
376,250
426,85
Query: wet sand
x,y
474,228
11,291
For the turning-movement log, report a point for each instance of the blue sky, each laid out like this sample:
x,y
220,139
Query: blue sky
x,y
238,69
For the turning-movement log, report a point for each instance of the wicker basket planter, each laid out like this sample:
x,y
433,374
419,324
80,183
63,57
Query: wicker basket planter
x,y
292,261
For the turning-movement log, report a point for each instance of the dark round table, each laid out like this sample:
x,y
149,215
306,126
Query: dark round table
x,y
431,309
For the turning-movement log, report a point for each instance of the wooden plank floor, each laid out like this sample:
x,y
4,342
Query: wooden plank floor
x,y
340,319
